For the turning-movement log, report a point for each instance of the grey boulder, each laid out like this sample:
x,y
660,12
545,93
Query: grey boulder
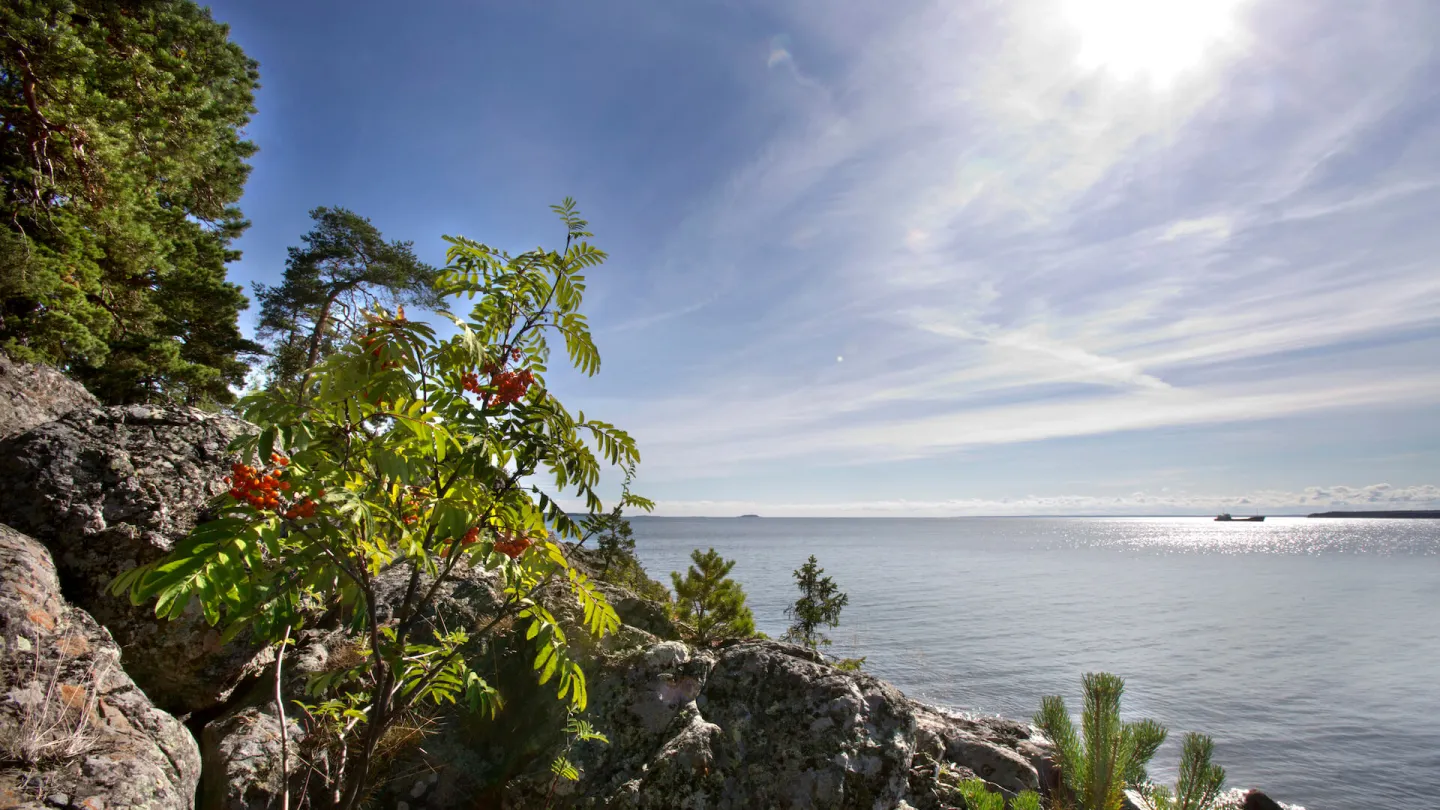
x,y
106,489
31,395
75,731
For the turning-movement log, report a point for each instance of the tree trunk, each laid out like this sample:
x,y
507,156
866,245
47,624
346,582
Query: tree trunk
x,y
314,356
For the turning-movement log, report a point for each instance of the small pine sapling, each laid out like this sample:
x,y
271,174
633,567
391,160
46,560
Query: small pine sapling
x,y
1107,755
819,606
709,601
1200,782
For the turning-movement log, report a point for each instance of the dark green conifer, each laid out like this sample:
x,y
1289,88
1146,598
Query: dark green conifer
x,y
819,606
709,601
344,267
614,540
121,162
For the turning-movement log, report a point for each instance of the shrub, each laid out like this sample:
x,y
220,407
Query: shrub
x,y
709,601
409,458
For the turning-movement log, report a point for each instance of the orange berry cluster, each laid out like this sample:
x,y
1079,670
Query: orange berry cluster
x,y
303,509
471,538
512,545
510,386
261,489
411,512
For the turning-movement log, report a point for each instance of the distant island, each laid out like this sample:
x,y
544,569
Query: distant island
x,y
1433,514
749,516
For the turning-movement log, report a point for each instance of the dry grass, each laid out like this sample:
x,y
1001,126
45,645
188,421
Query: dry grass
x,y
61,727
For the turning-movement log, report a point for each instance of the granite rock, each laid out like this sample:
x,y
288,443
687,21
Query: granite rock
x,y
75,731
31,395
106,489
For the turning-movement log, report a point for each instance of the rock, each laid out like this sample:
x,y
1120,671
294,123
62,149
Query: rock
x,y
241,757
106,489
1132,800
1008,754
31,395
1255,800
643,614
750,724
75,731
240,749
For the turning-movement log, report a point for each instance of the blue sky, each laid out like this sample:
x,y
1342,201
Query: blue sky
x,y
1041,256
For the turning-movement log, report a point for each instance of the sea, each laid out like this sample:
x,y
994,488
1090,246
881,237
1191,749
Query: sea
x,y
1309,649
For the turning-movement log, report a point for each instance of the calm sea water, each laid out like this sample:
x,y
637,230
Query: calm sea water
x,y
1309,649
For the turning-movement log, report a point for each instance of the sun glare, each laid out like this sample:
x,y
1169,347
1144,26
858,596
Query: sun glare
x,y
1154,39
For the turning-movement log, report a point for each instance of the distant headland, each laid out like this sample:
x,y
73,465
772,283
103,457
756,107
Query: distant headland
x,y
749,516
1433,514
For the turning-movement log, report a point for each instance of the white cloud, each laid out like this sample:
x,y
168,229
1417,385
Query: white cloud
x,y
1008,247
729,434
1375,497
1213,227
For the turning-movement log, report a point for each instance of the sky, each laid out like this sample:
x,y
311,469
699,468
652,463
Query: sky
x,y
922,258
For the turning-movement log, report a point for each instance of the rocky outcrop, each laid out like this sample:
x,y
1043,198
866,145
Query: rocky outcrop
x,y
32,395
770,725
75,731
1010,755
752,723
106,489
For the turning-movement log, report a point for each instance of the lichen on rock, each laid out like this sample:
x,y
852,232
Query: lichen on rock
x,y
31,395
106,489
75,731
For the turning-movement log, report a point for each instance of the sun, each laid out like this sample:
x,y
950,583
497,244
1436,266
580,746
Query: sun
x,y
1154,39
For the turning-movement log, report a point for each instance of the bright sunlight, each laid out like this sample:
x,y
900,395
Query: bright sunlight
x,y
1153,39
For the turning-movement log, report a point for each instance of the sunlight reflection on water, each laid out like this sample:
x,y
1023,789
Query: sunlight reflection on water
x,y
1274,536
1307,648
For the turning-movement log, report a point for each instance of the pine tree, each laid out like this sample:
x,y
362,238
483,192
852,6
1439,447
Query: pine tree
x,y
1107,755
819,605
614,541
1200,780
344,267
615,553
120,165
707,599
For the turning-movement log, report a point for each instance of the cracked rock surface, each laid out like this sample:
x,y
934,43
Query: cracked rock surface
x,y
75,731
106,489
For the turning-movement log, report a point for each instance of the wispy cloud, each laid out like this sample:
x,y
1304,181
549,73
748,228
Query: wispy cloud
x,y
1213,227
1007,244
1374,497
